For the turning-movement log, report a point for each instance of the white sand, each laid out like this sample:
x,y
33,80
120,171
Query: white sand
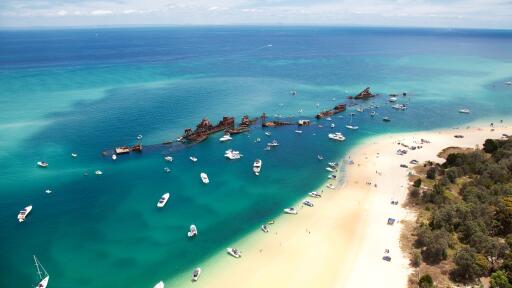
x,y
341,241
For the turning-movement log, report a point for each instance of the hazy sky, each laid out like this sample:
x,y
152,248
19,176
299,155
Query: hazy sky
x,y
429,13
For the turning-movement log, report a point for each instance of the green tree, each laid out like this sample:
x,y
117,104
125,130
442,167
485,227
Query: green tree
x,y
426,281
467,268
417,183
431,173
490,146
499,280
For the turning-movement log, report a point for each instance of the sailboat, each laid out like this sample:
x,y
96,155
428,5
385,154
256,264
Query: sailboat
x,y
43,277
350,126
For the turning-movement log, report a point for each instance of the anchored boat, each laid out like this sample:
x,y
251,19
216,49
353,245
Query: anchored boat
x,y
43,275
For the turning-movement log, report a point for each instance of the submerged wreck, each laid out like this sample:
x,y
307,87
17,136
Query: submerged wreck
x,y
337,109
363,95
205,128
243,126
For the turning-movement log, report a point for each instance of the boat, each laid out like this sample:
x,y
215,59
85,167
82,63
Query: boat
x,y
314,194
159,285
331,186
508,83
308,203
234,252
392,99
98,172
24,213
332,125
114,157
267,148
386,119
225,138
360,109
122,150
192,231
273,143
330,169
163,200
336,136
465,111
373,113
328,119
268,133
47,191
332,176
350,126
43,275
168,158
204,178
139,137
42,164
264,228
167,170
195,274
258,140
257,166
290,211
320,157
298,131
399,107
193,159
293,92
333,164
74,155
232,154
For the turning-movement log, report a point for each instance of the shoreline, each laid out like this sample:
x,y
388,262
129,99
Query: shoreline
x,y
344,236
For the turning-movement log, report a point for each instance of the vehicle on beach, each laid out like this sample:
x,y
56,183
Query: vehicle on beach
x,y
192,231
264,228
336,136
314,194
195,274
234,252
386,258
163,200
308,203
159,285
291,210
204,178
42,164
256,167
43,283
24,213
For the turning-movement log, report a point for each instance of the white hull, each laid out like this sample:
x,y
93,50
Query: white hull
x,y
161,203
233,252
204,178
193,231
42,164
290,211
24,213
43,282
257,167
159,285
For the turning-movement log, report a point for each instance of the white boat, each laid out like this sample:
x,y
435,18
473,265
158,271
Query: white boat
x,y
336,136
98,172
195,274
298,131
42,164
330,169
204,178
333,164
114,157
465,111
399,107
74,155
43,275
332,176
373,113
267,148
320,157
264,228
308,203
386,119
234,252
167,170
273,144
360,109
328,119
331,186
139,137
192,231
163,200
256,167
332,125
48,191
508,83
159,285
393,99
193,159
268,133
232,154
350,126
168,158
225,138
258,140
314,194
290,211
24,213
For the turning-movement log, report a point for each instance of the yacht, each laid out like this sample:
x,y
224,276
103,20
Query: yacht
x,y
290,211
386,119
330,169
74,155
273,143
114,156
268,133
350,126
159,285
42,164
192,231
257,166
298,131
43,283
195,274
98,172
24,213
204,178
465,111
232,154
163,200
308,203
234,252
167,170
314,194
393,99
225,138
336,136
168,158
193,159
264,228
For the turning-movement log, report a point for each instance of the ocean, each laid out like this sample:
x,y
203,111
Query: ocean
x,y
88,90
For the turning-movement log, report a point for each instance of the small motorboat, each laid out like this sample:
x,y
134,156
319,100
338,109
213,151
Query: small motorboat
x,y
508,83
256,167
74,155
114,157
332,176
336,136
328,119
264,228
308,203
167,170
204,178
333,164
163,200
195,274
139,137
267,148
331,186
232,154
98,172
225,138
273,144
360,109
268,133
399,107
47,191
257,140
298,131
192,231
386,119
291,210
392,99
332,125
465,111
314,194
159,285
24,213
373,113
234,252
193,159
168,158
42,164
330,169
320,157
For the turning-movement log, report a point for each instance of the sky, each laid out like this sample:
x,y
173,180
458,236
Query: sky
x,y
401,13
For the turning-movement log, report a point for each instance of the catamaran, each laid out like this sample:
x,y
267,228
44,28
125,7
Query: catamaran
x,y
204,178
256,167
43,277
192,231
350,126
23,213
225,138
42,164
336,136
163,200
465,111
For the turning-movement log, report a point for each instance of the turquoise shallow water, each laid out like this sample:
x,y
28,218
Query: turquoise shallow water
x,y
85,91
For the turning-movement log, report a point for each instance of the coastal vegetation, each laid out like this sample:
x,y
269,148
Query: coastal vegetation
x,y
463,231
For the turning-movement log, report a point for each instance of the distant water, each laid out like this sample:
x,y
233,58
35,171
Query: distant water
x,y
83,91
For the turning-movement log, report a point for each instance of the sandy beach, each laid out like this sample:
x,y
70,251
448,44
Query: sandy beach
x,y
341,241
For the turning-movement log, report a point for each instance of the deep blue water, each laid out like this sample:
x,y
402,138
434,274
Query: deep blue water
x,y
87,90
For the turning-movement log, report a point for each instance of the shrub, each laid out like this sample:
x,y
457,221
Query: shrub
x,y
431,173
416,258
417,183
426,281
467,268
490,146
499,280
